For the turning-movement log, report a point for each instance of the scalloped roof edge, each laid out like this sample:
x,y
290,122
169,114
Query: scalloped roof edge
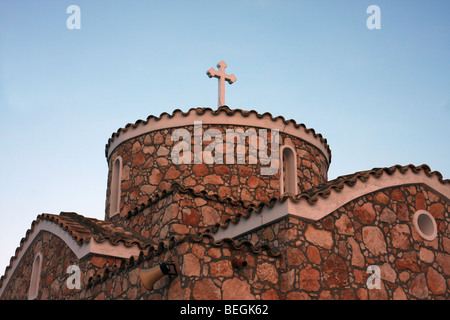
x,y
313,205
229,112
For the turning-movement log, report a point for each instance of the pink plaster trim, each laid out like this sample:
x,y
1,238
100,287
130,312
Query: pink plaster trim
x,y
166,121
92,247
325,206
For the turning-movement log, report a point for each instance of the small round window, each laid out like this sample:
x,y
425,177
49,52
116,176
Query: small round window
x,y
425,225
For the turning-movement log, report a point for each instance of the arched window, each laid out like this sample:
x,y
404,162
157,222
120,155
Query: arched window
x,y
288,177
35,276
114,202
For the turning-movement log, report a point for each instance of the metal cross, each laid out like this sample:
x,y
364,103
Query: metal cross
x,y
222,77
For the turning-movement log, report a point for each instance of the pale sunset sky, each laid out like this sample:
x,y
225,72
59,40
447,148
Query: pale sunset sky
x,y
379,96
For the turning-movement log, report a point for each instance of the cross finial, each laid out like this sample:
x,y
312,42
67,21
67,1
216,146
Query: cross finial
x,y
222,77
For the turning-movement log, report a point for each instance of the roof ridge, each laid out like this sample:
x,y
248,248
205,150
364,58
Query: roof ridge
x,y
97,228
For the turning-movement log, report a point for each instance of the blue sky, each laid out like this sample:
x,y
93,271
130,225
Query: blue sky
x,y
380,97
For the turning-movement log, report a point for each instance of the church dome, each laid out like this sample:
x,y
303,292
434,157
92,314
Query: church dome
x,y
244,155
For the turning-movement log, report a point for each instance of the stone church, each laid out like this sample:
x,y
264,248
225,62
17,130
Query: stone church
x,y
249,216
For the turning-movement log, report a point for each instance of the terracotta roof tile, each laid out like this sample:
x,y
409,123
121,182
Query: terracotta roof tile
x,y
236,245
84,229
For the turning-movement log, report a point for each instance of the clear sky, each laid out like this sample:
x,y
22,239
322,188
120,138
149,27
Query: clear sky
x,y
379,96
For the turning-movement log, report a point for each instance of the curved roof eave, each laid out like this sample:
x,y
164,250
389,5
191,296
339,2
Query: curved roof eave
x,y
239,117
80,246
320,202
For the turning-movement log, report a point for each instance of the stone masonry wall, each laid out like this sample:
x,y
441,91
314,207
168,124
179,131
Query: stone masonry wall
x,y
147,168
328,259
56,257
205,272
